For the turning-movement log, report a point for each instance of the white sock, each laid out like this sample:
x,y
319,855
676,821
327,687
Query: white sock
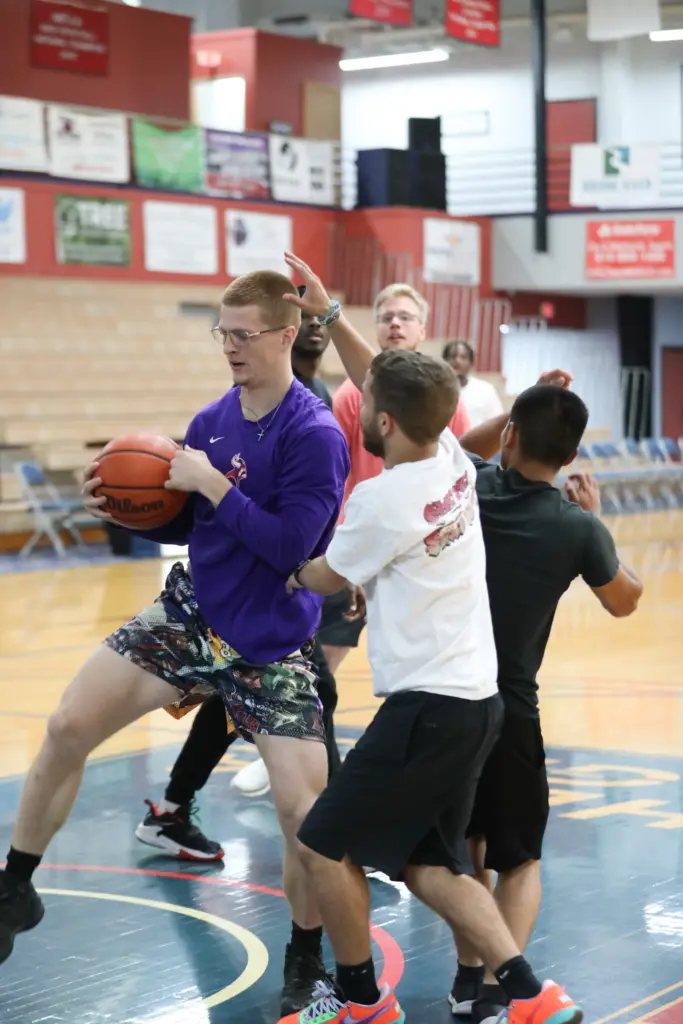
x,y
166,807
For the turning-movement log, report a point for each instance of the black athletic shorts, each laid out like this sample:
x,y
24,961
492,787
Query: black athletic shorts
x,y
405,792
334,629
511,805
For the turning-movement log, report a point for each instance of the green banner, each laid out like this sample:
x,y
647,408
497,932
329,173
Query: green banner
x,y
92,231
168,159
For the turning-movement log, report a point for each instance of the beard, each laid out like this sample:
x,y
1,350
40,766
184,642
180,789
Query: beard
x,y
373,442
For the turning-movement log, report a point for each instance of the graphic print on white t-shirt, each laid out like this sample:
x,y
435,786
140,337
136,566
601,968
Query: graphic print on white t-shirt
x,y
412,537
452,515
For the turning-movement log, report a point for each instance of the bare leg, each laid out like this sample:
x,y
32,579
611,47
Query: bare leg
x,y
344,901
335,656
468,908
298,775
467,954
108,693
518,895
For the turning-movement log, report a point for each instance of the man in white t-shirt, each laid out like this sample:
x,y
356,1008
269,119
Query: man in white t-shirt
x,y
403,797
480,398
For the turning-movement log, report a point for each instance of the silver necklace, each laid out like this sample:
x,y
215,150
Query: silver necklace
x,y
261,429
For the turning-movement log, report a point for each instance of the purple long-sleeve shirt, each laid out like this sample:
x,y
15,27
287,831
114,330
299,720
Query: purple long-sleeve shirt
x,y
282,509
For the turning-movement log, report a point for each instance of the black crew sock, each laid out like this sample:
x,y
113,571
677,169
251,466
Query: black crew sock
x,y
306,941
358,983
20,866
473,975
493,995
517,979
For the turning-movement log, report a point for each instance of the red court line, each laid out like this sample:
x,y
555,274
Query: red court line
x,y
392,953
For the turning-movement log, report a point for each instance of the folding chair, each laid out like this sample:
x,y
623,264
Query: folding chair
x,y
51,512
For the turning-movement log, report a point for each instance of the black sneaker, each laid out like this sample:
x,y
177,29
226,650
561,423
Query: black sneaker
x,y
463,995
304,973
177,834
21,909
488,1007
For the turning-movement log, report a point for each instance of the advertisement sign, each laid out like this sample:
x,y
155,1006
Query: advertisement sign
x,y
393,12
237,165
12,226
92,147
451,251
167,158
22,135
92,232
613,177
302,170
474,21
630,249
256,241
180,238
68,37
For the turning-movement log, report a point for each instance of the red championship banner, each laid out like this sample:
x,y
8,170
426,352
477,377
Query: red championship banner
x,y
630,249
393,12
474,21
69,37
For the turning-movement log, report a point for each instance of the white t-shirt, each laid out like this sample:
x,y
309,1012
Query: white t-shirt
x,y
412,537
481,399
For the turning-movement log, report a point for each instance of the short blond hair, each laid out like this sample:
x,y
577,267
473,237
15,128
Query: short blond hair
x,y
398,291
264,288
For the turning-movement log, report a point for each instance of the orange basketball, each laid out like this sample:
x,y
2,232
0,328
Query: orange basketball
x,y
134,468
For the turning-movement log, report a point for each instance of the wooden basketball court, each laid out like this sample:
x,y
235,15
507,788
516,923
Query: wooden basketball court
x,y
132,937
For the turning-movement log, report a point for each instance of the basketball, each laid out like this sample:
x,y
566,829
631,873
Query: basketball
x,y
134,468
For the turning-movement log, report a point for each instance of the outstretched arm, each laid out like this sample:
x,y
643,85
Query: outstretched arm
x,y
355,352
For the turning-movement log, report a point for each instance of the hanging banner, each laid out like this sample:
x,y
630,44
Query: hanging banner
x,y
22,135
451,251
237,165
166,158
630,249
180,238
68,37
12,226
474,21
393,12
302,170
613,177
256,241
92,232
92,147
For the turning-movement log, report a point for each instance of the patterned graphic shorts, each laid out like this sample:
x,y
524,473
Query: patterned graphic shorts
x,y
171,640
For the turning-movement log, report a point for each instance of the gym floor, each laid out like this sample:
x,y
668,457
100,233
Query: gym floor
x,y
130,937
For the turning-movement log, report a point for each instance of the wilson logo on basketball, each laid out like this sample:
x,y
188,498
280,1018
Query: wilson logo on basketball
x,y
130,507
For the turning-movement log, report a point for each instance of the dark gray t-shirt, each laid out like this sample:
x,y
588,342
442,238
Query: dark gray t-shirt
x,y
537,542
315,385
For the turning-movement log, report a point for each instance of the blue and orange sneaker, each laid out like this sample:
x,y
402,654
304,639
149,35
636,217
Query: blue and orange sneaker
x,y
551,1006
329,1009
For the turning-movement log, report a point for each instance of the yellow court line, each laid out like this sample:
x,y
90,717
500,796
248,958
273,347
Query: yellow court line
x,y
642,1002
257,954
657,1009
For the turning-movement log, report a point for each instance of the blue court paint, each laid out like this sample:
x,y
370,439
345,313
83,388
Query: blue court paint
x,y
611,927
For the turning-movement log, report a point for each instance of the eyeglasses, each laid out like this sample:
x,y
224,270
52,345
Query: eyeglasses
x,y
241,338
404,318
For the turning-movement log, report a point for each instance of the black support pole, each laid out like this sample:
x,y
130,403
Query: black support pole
x,y
538,58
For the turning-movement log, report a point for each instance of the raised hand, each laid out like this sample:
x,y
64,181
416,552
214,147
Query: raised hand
x,y
561,378
316,301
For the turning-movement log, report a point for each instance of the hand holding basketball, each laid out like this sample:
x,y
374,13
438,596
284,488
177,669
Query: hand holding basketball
x,y
190,470
94,503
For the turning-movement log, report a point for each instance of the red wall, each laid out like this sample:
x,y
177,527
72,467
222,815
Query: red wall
x,y
311,231
149,63
275,69
570,310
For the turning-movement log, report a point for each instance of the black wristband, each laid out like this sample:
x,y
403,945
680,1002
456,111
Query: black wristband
x,y
300,567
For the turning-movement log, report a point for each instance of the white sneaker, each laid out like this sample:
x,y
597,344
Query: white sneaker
x,y
252,780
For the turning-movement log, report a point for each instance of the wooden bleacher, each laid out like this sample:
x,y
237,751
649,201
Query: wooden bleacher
x,y
85,360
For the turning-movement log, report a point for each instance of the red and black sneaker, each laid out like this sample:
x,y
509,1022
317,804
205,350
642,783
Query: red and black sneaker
x,y
176,834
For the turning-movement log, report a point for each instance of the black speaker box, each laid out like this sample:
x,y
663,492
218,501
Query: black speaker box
x,y
424,134
383,178
427,180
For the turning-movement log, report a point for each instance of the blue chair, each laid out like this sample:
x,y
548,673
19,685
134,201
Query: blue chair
x,y
51,512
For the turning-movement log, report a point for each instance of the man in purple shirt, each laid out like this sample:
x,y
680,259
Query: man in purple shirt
x,y
265,466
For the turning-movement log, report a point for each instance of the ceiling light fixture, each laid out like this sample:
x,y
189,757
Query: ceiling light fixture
x,y
666,35
393,60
